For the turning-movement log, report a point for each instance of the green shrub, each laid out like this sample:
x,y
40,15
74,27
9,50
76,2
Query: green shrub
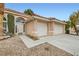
x,y
10,23
67,27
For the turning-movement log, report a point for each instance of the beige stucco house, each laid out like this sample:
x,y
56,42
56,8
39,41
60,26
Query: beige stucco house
x,y
35,25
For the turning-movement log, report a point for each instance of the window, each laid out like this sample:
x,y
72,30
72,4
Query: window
x,y
4,19
4,24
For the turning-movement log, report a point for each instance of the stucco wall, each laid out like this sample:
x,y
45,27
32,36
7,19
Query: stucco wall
x,y
50,26
1,18
1,24
30,28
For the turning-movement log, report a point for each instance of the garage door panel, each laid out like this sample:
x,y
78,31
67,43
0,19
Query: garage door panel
x,y
58,28
41,29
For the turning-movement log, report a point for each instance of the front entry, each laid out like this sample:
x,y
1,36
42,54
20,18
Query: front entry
x,y
19,28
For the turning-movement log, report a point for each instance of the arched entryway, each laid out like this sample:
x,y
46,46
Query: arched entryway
x,y
20,29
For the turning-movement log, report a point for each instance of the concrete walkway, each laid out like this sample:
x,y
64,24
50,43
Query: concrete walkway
x,y
68,43
31,43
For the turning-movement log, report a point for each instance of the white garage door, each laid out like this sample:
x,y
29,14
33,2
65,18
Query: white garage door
x,y
41,28
58,28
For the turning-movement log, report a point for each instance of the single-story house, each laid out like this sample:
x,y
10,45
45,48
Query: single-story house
x,y
31,25
34,25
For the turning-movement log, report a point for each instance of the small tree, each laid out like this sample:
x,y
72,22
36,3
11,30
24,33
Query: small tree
x,y
73,19
29,12
10,23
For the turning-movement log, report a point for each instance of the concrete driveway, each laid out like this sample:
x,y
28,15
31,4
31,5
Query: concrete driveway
x,y
66,42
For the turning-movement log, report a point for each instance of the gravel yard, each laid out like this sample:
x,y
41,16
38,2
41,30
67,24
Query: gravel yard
x,y
15,47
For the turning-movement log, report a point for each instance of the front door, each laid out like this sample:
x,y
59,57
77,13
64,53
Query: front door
x,y
19,28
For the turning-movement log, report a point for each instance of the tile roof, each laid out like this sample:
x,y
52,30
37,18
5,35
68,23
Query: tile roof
x,y
36,15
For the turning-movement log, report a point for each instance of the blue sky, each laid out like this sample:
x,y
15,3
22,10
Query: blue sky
x,y
58,10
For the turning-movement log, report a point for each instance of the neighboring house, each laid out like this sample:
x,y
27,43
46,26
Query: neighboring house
x,y
77,25
1,18
34,25
72,30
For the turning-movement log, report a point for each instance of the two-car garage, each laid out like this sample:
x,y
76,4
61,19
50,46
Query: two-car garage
x,y
41,28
